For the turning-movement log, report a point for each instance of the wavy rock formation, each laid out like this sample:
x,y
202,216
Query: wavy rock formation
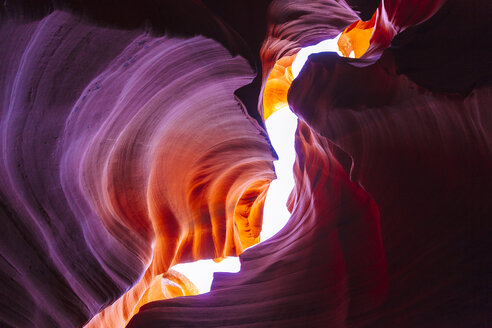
x,y
118,165
285,280
421,157
131,142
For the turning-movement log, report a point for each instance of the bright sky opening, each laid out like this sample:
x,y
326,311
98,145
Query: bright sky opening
x,y
201,273
281,127
330,45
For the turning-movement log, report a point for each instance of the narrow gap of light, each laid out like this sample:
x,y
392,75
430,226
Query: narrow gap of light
x,y
330,45
281,127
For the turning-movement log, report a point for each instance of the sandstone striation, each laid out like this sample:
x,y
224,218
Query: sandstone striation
x,y
132,138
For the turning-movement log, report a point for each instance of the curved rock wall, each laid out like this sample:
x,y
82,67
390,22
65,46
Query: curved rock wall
x,y
425,159
122,154
326,266
125,150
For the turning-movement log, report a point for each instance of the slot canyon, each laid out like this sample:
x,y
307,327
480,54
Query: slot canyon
x,y
133,140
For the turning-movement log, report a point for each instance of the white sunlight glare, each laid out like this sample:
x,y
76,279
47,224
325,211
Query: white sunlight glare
x,y
281,127
329,45
201,273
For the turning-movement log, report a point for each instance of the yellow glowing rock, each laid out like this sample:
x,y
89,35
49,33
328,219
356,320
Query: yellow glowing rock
x,y
248,215
277,86
357,37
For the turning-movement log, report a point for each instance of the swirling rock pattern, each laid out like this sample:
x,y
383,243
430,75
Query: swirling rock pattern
x,y
285,281
126,150
118,165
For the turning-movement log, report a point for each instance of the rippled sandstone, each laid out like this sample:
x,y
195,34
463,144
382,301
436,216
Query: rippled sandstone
x,y
134,141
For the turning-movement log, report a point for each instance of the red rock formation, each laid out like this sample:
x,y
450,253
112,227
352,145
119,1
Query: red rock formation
x,y
428,180
325,266
125,151
419,157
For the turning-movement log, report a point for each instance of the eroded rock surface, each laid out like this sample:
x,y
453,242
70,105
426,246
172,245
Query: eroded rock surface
x,y
133,141
122,154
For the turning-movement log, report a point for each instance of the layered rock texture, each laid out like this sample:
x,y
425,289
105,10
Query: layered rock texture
x,y
132,139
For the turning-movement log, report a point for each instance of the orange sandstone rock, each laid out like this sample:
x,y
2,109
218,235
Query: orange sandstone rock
x,y
277,86
356,37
